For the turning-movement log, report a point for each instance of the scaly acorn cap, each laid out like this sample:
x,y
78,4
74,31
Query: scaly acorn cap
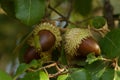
x,y
75,37
47,29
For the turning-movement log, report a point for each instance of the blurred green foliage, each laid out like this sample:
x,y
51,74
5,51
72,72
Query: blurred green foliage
x,y
10,30
18,17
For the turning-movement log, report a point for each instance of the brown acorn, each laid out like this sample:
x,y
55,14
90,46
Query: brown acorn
x,y
47,39
49,36
88,45
79,42
30,54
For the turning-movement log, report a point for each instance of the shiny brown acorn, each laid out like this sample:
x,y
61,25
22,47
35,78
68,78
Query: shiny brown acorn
x,y
47,40
49,36
79,42
30,54
89,45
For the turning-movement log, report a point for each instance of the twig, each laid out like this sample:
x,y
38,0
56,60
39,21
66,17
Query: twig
x,y
58,73
87,19
70,9
69,12
67,18
108,13
105,59
50,7
116,64
42,68
49,12
63,17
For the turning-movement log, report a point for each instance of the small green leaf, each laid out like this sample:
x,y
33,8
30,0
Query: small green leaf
x,y
21,69
43,75
98,22
31,76
34,64
96,69
117,75
108,75
29,12
81,74
92,58
4,76
100,73
62,77
110,44
111,74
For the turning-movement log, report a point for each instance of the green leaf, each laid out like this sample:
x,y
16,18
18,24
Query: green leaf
x,y
92,58
34,64
117,75
21,69
111,74
62,77
108,75
29,12
4,76
83,6
110,44
43,75
80,74
31,76
98,22
100,73
8,7
96,69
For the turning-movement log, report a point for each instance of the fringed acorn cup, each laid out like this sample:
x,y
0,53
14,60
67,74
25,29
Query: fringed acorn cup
x,y
79,42
48,38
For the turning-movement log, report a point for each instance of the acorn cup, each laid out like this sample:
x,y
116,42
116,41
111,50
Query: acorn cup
x,y
79,42
49,38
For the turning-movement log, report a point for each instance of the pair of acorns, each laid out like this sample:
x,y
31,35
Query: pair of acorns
x,y
78,42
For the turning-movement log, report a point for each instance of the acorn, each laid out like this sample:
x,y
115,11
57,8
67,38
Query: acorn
x,y
79,42
30,54
47,39
49,36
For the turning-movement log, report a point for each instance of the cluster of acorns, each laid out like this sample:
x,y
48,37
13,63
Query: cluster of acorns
x,y
77,42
